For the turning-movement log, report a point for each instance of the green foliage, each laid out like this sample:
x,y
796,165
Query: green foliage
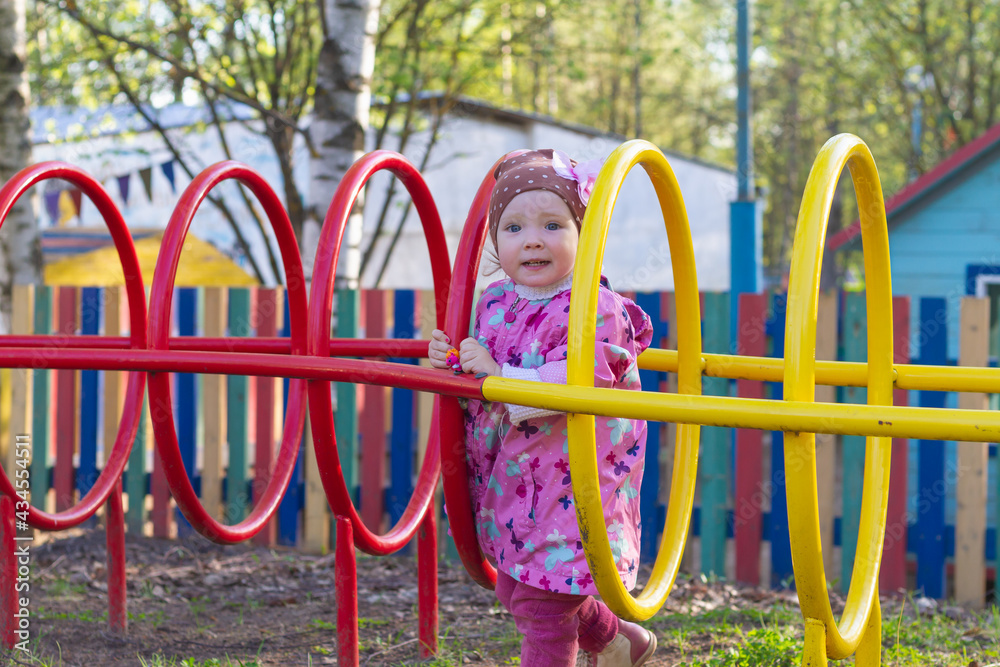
x,y
91,52
818,69
662,70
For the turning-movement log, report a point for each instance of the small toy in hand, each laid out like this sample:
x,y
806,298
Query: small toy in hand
x,y
452,359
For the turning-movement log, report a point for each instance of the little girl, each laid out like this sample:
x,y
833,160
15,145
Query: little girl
x,y
518,461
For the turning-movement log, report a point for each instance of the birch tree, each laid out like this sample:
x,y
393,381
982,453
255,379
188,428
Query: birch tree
x,y
340,115
21,253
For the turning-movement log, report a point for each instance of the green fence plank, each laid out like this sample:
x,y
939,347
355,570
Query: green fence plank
x,y
42,408
346,418
715,447
237,499
135,479
855,343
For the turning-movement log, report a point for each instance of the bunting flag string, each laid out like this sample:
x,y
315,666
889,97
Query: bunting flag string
x,y
65,204
147,181
123,188
66,209
168,171
76,195
52,205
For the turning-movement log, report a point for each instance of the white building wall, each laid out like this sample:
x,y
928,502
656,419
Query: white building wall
x,y
636,255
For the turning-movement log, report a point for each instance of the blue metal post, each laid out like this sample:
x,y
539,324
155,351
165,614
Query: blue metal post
x,y
745,239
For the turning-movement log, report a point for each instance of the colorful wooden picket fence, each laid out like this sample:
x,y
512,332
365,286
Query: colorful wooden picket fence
x,y
228,428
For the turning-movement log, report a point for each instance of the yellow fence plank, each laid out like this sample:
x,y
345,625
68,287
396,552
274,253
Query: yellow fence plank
x,y
316,522
114,381
214,408
971,486
426,322
22,314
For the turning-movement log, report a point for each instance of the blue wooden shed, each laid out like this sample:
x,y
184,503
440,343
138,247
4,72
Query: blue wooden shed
x,y
944,235
944,244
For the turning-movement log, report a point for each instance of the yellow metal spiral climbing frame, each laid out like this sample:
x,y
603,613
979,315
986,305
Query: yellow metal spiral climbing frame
x,y
860,626
859,629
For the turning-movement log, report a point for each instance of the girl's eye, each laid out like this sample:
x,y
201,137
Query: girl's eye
x,y
552,226
513,228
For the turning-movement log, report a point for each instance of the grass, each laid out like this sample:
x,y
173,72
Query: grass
x,y
85,615
159,660
61,587
719,638
156,618
197,607
32,656
725,638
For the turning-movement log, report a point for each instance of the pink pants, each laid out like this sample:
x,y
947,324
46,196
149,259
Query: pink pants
x,y
554,625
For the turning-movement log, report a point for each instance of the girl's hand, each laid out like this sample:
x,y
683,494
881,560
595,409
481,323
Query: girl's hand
x,y
437,351
476,358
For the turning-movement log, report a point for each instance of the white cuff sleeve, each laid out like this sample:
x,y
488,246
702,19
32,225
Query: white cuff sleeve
x,y
518,413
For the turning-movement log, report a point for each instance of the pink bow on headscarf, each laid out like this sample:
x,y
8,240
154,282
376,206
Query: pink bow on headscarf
x,y
584,173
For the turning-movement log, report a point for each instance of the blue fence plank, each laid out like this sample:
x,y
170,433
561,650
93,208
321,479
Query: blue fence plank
x,y
650,490
930,525
781,549
186,387
292,501
90,320
403,437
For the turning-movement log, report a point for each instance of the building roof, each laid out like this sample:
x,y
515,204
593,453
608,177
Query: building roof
x,y
921,188
86,257
60,123
466,106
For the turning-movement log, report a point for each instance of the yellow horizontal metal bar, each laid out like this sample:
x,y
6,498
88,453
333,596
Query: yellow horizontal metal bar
x,y
768,415
833,373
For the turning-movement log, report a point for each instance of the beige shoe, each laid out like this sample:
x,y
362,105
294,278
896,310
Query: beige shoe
x,y
631,647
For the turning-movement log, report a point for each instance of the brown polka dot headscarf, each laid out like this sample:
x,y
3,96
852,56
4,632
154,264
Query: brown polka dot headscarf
x,y
544,169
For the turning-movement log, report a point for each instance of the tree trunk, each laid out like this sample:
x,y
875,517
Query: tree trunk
x,y
20,250
343,95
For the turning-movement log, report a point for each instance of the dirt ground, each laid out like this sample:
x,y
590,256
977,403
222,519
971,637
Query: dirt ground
x,y
196,601
192,599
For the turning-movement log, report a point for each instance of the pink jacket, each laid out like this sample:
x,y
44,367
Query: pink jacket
x,y
518,461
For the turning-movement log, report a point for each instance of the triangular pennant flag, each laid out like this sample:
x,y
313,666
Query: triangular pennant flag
x,y
52,205
168,171
123,187
77,196
147,181
66,208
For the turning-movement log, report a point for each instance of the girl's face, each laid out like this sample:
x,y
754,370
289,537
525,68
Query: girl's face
x,y
537,239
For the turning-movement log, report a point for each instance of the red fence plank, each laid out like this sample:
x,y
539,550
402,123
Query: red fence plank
x,y
160,516
267,325
749,498
66,409
892,575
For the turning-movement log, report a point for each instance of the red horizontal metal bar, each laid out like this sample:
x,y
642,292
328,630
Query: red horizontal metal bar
x,y
403,348
385,373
